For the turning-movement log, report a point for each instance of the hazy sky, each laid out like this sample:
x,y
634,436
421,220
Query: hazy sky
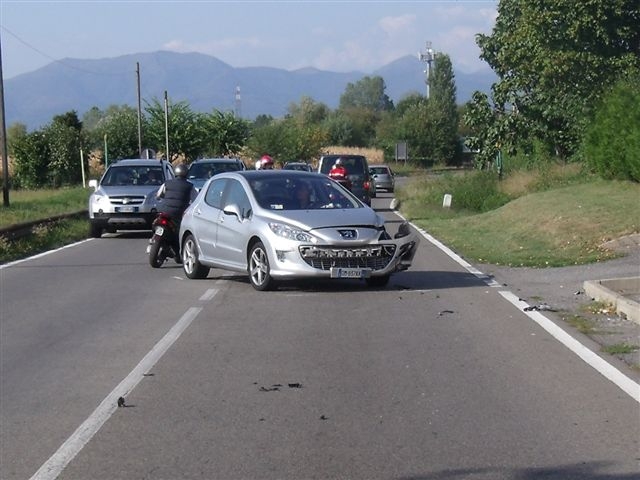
x,y
329,35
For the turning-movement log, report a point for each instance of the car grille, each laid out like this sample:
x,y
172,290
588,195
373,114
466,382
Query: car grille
x,y
127,199
323,258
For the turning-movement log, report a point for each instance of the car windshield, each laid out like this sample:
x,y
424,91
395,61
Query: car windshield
x,y
303,192
209,169
380,170
132,175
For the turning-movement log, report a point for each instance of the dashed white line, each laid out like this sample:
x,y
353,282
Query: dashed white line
x,y
76,442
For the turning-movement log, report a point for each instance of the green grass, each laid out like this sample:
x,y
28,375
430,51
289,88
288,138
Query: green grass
x,y
45,238
620,349
583,325
32,205
555,227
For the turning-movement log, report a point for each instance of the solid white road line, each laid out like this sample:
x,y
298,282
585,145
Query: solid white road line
x,y
609,371
69,449
602,366
43,254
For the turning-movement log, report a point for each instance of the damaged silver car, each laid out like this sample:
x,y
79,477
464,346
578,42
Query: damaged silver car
x,y
284,225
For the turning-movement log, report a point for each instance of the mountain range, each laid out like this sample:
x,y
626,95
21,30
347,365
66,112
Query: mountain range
x,y
204,82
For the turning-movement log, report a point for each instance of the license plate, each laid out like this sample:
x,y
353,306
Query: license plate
x,y
159,231
127,209
350,272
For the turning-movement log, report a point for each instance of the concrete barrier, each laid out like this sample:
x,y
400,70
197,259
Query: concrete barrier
x,y
622,293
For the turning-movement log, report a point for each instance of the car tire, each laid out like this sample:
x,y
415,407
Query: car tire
x,y
376,282
258,268
191,265
95,230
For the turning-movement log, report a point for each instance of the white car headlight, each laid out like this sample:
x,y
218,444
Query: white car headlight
x,y
291,233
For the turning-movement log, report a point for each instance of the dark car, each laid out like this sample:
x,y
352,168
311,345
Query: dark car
x,y
203,169
357,173
302,166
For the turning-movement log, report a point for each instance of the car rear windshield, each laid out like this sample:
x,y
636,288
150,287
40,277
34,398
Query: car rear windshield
x,y
208,170
355,165
380,170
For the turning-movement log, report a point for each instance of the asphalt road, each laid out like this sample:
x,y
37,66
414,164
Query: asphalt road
x,y
436,376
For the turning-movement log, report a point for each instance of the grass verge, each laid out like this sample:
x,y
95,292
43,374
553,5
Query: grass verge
x,y
32,205
551,228
45,237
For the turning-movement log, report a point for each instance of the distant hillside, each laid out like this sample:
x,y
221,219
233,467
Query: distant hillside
x,y
203,81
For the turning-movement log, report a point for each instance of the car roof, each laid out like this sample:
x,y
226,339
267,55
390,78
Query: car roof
x,y
138,161
216,160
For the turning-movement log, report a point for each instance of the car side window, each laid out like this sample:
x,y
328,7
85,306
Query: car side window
x,y
236,195
213,196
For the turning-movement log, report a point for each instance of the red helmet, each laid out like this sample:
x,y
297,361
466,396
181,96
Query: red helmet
x,y
265,162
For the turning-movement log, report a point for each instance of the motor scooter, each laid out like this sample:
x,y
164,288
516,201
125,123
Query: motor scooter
x,y
161,243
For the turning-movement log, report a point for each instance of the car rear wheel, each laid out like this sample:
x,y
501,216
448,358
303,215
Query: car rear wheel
x,y
191,265
259,269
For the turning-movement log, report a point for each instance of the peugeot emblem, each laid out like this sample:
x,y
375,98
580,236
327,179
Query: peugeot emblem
x,y
352,234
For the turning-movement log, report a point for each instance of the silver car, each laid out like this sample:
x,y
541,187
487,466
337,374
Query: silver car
x,y
383,177
282,225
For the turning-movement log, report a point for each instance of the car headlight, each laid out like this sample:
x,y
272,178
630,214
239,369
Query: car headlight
x,y
290,233
98,197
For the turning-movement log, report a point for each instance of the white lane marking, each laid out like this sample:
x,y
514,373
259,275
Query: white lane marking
x,y
43,254
208,295
76,442
602,366
470,268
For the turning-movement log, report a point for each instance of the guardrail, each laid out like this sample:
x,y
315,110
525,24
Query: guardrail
x,y
25,229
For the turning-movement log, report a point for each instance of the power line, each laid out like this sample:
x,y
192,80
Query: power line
x,y
73,67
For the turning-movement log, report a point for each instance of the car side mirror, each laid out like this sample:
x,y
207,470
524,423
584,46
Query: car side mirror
x,y
93,184
403,230
233,209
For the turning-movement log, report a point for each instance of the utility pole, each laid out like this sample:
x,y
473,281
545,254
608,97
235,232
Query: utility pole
x,y
428,57
166,124
3,132
139,112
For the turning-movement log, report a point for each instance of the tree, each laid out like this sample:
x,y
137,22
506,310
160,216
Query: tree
x,y
225,133
117,131
285,140
553,60
187,130
611,145
308,112
30,154
64,140
367,93
444,112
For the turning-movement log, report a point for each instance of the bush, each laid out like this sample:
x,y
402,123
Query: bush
x,y
611,144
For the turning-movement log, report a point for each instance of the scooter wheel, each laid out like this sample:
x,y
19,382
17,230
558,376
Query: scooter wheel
x,y
155,258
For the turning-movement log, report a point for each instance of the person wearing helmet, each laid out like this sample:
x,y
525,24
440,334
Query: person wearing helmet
x,y
265,163
338,171
176,195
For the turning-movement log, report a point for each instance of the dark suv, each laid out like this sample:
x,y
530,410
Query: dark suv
x,y
357,173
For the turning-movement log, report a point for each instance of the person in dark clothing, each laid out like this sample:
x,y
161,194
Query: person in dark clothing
x,y
176,195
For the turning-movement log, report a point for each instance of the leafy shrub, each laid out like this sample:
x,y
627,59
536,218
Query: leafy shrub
x,y
611,144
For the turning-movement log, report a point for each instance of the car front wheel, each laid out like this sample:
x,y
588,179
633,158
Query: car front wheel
x,y
191,265
258,268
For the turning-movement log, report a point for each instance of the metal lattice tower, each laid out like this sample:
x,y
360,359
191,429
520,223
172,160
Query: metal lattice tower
x,y
238,109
